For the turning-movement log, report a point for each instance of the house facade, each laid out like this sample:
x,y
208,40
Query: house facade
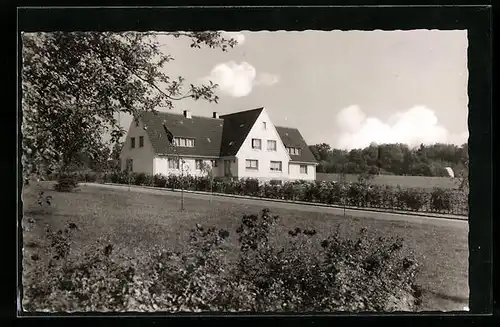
x,y
244,144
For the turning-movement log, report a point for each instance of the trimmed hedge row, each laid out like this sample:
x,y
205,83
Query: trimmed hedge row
x,y
359,194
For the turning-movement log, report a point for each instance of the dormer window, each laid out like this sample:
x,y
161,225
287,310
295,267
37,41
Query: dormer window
x,y
294,151
184,142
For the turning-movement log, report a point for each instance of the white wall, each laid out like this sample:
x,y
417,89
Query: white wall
x,y
296,174
142,158
263,156
161,167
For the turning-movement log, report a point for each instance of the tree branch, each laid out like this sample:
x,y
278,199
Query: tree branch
x,y
187,95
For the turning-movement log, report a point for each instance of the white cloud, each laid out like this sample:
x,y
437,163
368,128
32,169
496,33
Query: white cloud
x,y
413,127
239,37
238,80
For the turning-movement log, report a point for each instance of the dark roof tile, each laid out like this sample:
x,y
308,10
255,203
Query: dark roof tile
x,y
215,137
236,128
206,131
292,138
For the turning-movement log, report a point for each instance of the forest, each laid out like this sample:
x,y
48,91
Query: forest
x,y
392,159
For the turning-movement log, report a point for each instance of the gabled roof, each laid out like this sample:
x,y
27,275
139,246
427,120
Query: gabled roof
x,y
292,138
236,128
206,131
215,137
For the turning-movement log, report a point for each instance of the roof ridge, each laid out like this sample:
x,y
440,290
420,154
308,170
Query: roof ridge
x,y
241,112
180,114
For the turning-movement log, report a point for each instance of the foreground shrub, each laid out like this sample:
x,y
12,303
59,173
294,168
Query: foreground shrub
x,y
93,282
367,274
304,273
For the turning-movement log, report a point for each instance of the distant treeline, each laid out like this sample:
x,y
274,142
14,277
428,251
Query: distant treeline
x,y
392,159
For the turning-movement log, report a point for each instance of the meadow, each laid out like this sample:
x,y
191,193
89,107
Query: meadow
x,y
424,182
139,222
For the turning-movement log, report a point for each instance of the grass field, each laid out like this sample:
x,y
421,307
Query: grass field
x,y
403,181
138,221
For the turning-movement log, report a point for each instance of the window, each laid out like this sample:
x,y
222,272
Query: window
x,y
303,169
141,141
264,125
271,145
256,144
173,163
252,164
184,142
132,142
276,166
294,151
214,163
199,164
129,165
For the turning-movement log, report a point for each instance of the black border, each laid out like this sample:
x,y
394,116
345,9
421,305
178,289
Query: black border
x,y
477,20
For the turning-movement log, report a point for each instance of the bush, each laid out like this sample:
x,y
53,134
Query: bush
x,y
356,195
411,199
440,200
307,273
140,179
364,274
66,182
202,183
250,186
95,281
159,180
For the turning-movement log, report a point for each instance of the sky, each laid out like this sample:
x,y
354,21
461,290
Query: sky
x,y
344,88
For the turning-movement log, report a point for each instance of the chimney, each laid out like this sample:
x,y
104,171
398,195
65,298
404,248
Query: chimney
x,y
215,115
187,114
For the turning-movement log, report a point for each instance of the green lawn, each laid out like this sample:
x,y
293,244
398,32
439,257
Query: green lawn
x,y
138,221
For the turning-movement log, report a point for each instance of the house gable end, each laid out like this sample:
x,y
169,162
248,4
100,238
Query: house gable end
x,y
142,156
236,129
270,127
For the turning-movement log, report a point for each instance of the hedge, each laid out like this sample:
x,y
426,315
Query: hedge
x,y
358,194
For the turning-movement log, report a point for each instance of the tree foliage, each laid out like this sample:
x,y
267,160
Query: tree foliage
x,y
393,159
74,84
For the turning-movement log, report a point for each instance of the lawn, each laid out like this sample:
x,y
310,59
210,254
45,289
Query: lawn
x,y
403,181
139,221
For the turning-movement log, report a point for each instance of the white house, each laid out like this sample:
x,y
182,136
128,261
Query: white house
x,y
239,145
